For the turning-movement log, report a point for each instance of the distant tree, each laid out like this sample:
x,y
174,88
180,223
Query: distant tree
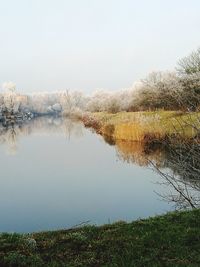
x,y
190,64
10,103
158,91
72,102
9,86
189,99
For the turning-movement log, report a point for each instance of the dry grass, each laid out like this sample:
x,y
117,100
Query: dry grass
x,y
144,126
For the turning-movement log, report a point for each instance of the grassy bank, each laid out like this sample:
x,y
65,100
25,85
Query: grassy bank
x,y
144,126
169,240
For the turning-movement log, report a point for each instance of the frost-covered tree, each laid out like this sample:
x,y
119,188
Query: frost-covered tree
x,y
190,93
10,101
158,90
72,101
189,73
190,64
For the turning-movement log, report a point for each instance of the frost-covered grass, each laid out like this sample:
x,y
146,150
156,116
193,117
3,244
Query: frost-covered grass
x,y
169,240
138,126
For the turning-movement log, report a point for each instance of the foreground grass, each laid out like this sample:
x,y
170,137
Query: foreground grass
x,y
139,126
169,240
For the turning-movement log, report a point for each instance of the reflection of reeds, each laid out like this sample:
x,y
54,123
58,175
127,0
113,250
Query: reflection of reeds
x,y
140,153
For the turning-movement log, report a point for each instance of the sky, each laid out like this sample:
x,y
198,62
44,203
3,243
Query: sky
x,y
48,45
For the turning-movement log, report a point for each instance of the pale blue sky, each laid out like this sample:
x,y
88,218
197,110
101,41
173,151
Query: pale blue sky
x,y
89,44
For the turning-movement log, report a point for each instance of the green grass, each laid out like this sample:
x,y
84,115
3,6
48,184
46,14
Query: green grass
x,y
169,240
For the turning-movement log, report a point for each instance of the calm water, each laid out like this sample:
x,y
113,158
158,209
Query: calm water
x,y
56,174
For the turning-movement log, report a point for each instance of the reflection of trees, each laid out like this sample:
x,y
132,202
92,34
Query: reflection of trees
x,y
177,164
184,176
40,126
9,136
183,193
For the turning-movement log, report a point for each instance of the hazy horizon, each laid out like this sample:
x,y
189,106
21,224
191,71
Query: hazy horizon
x,y
54,45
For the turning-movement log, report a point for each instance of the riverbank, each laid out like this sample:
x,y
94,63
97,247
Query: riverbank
x,y
144,126
169,240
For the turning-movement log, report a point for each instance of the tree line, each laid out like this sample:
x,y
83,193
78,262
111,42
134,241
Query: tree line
x,y
168,90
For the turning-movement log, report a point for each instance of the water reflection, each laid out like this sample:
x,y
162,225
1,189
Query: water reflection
x,y
58,179
47,126
184,176
177,164
140,154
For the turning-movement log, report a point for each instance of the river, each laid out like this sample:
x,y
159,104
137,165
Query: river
x,y
57,174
